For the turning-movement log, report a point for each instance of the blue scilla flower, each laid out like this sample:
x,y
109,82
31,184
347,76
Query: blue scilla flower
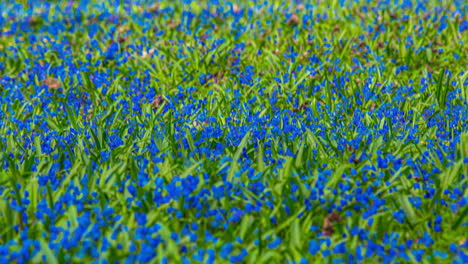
x,y
226,250
275,243
199,255
453,248
140,218
418,254
105,155
93,29
438,224
239,257
400,216
112,51
314,247
115,141
340,248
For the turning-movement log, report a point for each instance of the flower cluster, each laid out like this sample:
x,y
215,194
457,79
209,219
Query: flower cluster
x,y
233,132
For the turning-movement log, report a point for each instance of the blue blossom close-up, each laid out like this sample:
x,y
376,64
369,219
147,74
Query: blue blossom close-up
x,y
237,131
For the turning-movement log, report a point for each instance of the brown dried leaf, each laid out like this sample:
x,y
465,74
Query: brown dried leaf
x,y
34,21
302,107
148,54
157,102
462,242
121,39
196,124
154,8
52,83
336,28
380,44
417,178
218,77
236,9
328,222
173,24
293,20
123,29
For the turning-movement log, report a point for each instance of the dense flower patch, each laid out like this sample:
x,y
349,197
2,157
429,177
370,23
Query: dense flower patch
x,y
243,131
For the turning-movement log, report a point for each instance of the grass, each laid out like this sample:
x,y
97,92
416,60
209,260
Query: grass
x,y
242,132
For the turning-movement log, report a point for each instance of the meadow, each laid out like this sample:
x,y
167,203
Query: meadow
x,y
233,131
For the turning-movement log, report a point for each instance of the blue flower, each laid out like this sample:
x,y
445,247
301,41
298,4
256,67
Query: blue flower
x,y
314,247
199,256
400,216
240,257
340,248
115,141
140,218
226,250
275,243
